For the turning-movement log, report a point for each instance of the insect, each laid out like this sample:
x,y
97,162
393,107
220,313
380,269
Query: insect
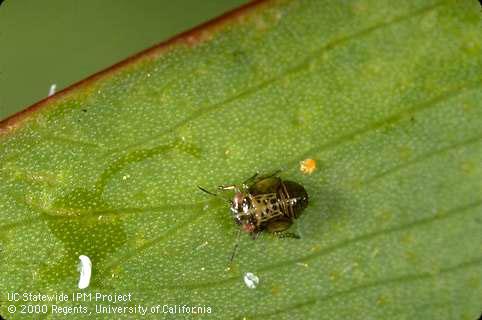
x,y
265,203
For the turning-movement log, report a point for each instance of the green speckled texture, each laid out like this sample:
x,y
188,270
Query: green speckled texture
x,y
385,96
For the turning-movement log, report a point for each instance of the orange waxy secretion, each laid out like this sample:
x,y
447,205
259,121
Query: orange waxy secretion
x,y
307,166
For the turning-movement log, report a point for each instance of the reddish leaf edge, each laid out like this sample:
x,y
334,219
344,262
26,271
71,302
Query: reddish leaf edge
x,y
190,37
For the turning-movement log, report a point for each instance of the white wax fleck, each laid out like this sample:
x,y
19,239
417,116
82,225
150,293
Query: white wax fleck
x,y
251,280
85,271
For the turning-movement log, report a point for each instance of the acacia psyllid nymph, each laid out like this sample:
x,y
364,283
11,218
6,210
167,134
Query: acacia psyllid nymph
x,y
265,203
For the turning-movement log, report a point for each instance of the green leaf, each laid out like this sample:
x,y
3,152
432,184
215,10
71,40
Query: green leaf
x,y
385,96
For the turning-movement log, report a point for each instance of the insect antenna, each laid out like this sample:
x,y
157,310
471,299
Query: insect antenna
x,y
213,194
236,245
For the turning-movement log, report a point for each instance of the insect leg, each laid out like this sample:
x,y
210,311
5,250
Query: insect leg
x,y
229,187
282,235
250,179
207,191
236,244
255,235
212,194
272,174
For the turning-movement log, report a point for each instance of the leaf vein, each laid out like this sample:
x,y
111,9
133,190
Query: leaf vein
x,y
305,64
365,237
453,92
381,283
423,157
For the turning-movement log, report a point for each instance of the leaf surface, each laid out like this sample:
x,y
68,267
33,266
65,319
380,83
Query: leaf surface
x,y
384,96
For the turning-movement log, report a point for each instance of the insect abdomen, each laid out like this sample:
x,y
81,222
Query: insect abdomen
x,y
267,207
294,198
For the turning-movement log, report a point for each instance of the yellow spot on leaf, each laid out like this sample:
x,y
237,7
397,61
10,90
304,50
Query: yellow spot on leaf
x,y
334,276
275,290
307,166
468,168
382,300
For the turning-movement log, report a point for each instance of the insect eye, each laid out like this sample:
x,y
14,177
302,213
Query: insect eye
x,y
238,199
